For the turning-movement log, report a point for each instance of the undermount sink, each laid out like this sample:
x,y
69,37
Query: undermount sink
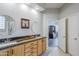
x,y
7,44
19,40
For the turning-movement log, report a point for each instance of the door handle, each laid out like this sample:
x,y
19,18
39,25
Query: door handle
x,y
75,38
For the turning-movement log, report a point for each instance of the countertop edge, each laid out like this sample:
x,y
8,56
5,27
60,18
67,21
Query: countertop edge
x,y
19,43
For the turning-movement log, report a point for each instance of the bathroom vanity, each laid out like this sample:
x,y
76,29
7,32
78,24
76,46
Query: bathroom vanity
x,y
33,46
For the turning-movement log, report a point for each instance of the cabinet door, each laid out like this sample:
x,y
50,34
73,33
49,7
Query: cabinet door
x,y
44,44
5,52
40,47
17,51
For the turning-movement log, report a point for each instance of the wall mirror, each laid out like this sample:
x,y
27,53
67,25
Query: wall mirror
x,y
6,24
2,23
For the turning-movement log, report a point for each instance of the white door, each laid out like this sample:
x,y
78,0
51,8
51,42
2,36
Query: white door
x,y
73,35
62,34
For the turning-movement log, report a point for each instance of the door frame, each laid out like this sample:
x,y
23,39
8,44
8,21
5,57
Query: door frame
x,y
66,22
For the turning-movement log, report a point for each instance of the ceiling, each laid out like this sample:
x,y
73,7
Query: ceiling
x,y
51,5
35,6
44,6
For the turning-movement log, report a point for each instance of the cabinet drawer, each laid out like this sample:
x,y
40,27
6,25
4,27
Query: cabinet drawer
x,y
34,50
28,53
34,46
27,49
34,54
34,43
27,45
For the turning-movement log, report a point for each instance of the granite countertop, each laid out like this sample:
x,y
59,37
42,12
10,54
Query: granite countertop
x,y
17,42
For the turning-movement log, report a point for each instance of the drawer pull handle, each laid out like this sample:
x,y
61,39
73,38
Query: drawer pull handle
x,y
12,52
7,53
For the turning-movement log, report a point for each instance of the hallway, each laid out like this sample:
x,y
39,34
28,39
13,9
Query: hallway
x,y
53,42
54,51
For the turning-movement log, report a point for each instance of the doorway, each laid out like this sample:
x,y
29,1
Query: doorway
x,y
53,34
63,34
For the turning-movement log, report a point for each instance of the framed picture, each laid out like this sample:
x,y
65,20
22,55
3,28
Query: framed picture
x,y
25,23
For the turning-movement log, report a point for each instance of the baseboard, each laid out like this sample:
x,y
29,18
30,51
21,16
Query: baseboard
x,y
69,54
64,52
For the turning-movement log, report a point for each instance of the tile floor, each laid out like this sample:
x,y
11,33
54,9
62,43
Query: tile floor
x,y
53,42
55,51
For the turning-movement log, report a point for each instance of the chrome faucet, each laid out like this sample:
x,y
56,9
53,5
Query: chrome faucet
x,y
7,40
